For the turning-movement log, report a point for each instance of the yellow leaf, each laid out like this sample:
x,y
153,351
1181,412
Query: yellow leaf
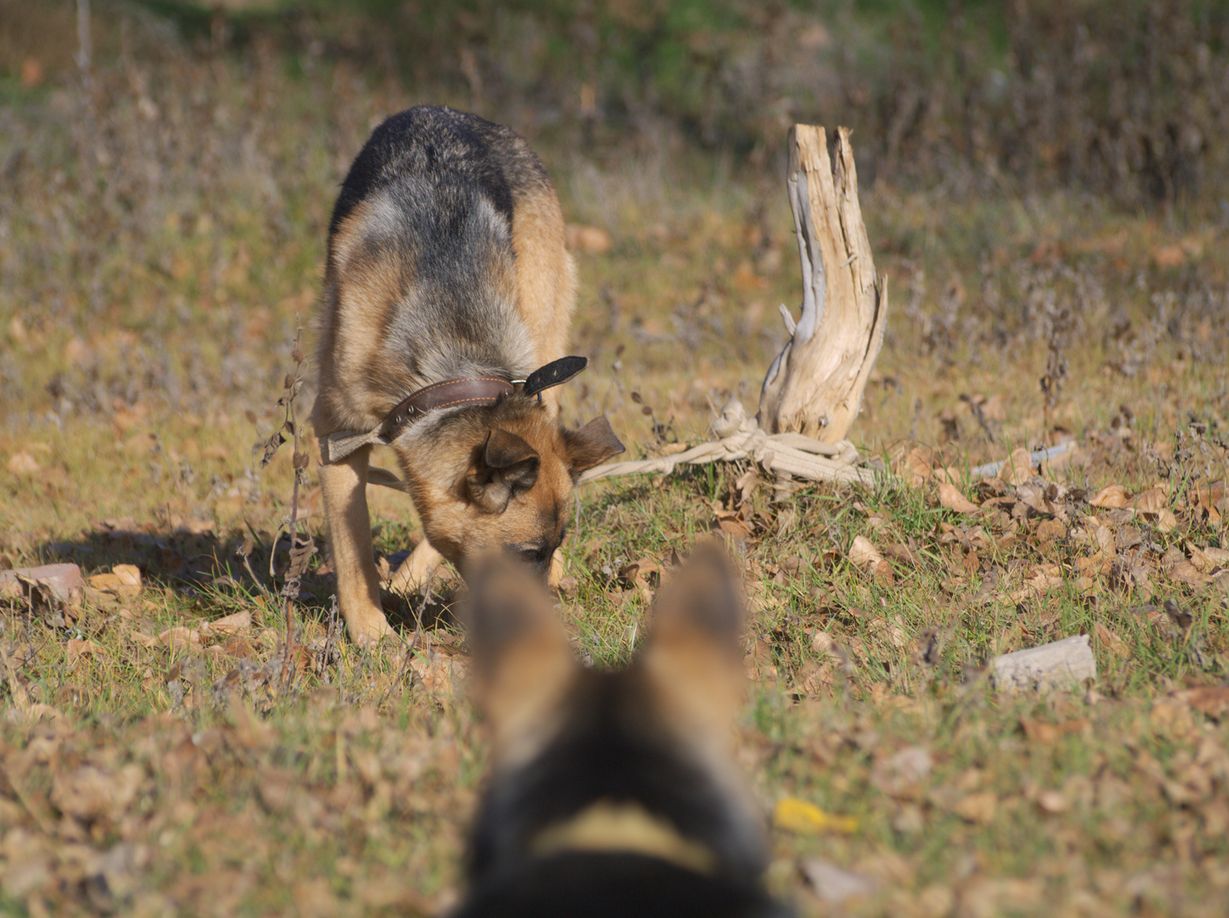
x,y
795,815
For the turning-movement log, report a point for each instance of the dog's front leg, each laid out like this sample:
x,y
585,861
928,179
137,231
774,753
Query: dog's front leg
x,y
414,572
344,484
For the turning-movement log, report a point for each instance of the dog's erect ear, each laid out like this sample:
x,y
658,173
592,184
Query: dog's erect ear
x,y
522,662
591,445
505,465
693,655
704,600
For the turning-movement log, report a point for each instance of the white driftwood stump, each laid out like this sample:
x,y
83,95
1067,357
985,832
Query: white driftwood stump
x,y
814,386
813,389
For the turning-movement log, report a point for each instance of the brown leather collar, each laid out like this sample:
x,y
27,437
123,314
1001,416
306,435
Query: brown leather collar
x,y
451,393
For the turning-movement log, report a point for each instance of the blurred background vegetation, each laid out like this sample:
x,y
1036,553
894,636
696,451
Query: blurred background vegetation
x,y
1122,98
1043,180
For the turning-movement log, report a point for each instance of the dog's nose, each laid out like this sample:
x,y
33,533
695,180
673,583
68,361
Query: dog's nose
x,y
536,556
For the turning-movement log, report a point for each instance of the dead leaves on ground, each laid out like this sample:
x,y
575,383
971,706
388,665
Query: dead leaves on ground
x,y
1112,538
180,637
85,811
122,580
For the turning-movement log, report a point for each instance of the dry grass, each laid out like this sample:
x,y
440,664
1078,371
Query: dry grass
x,y
159,247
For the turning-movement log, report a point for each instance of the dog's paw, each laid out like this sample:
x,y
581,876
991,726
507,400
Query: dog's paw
x,y
416,571
371,630
554,576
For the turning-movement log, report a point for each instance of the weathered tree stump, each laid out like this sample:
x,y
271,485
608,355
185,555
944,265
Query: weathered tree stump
x,y
815,385
813,389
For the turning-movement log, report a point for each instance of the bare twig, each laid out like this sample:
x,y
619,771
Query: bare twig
x,y
85,55
300,552
1036,457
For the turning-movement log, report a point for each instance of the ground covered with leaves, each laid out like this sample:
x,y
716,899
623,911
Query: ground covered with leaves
x,y
164,747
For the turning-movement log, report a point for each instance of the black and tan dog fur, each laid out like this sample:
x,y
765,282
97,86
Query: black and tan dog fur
x,y
446,259
613,793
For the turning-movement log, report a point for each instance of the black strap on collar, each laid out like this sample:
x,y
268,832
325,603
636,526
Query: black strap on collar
x,y
553,374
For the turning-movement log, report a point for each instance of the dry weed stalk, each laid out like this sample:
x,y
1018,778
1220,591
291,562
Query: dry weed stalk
x,y
300,551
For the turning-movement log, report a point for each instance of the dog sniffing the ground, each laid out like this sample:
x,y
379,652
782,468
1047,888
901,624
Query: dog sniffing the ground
x,y
447,298
613,793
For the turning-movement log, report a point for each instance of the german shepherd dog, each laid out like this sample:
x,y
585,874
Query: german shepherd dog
x,y
613,793
447,297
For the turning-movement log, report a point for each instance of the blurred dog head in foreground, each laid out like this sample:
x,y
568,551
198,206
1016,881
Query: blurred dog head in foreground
x,y
613,793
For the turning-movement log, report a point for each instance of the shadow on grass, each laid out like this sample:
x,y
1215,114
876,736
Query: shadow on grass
x,y
202,565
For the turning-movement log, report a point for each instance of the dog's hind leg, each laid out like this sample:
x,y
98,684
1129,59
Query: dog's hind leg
x,y
344,484
414,572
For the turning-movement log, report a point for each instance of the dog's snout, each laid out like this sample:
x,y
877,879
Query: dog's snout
x,y
537,556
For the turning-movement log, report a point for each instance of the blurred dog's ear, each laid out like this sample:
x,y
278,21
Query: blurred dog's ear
x,y
505,466
523,664
693,656
703,599
591,445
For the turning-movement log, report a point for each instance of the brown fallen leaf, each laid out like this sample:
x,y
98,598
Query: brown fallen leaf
x,y
1212,700
76,648
588,240
642,575
865,556
951,498
1110,641
1208,499
437,673
1151,501
733,526
1046,733
123,580
23,463
179,636
1111,497
1166,520
1050,530
863,553
1208,560
1186,572
91,793
917,466
1017,468
977,808
1042,579
230,624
